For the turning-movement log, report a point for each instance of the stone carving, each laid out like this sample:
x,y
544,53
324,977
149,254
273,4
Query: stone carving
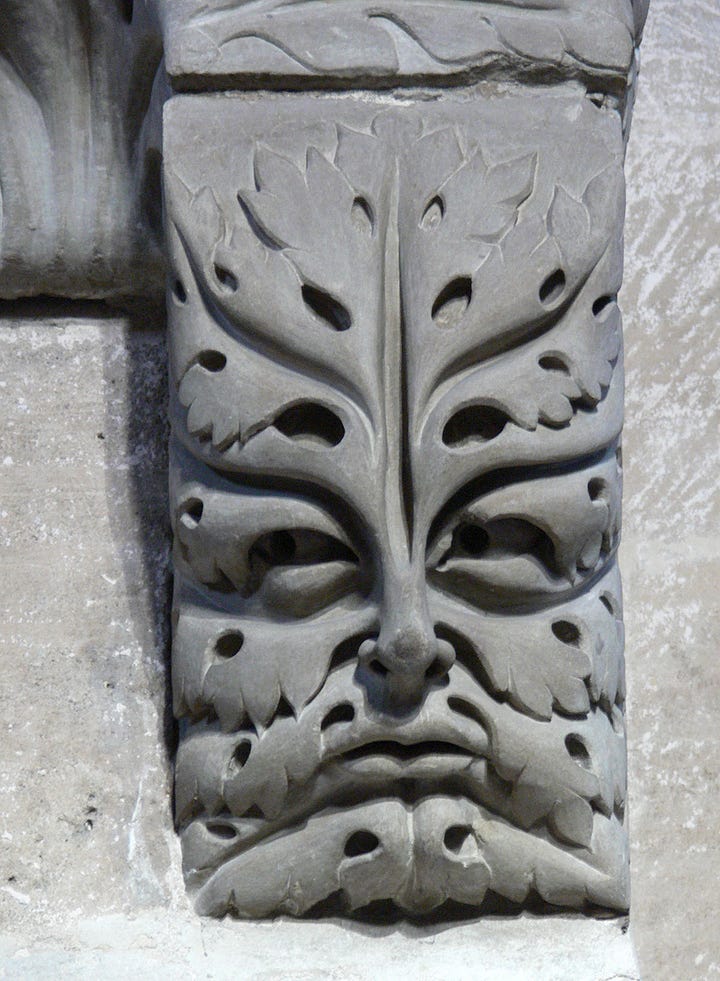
x,y
397,400
220,44
79,175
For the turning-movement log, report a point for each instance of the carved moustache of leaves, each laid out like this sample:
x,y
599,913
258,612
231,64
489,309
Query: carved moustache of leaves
x,y
567,773
396,365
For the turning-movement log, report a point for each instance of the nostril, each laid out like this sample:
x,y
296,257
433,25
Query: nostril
x,y
436,670
378,668
367,656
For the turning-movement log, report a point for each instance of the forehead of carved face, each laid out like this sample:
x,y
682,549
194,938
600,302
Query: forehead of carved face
x,y
397,390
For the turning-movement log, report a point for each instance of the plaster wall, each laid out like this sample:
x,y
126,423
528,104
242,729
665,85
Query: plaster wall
x,y
89,864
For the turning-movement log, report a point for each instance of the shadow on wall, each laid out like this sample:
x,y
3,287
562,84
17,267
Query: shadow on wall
x,y
136,476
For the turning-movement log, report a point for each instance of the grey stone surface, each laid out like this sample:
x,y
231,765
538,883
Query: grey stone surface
x,y
166,947
223,45
79,174
671,550
82,83
396,385
69,904
85,819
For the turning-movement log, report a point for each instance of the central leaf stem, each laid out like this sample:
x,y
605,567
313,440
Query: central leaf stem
x,y
398,476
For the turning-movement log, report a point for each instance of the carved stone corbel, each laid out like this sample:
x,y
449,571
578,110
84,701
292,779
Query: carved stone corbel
x,y
397,389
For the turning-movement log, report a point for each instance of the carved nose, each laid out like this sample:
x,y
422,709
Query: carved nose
x,y
404,662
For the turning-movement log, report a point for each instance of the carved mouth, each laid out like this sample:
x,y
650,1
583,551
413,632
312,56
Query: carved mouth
x,y
410,753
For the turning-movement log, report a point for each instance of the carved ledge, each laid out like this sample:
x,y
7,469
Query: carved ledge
x,y
226,45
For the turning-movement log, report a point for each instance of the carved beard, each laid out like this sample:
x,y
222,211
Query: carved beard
x,y
396,366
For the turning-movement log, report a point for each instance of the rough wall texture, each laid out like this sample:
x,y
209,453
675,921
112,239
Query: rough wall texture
x,y
670,555
84,890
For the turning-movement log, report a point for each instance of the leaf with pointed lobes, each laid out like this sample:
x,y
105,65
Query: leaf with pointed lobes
x,y
523,658
278,660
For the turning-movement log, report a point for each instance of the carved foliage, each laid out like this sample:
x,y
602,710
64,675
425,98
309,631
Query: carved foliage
x,y
354,38
397,398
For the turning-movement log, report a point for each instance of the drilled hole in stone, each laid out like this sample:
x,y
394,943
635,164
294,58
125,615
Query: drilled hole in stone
x,y
179,291
434,213
229,644
566,632
457,838
597,489
311,422
220,830
578,750
281,547
602,303
452,302
472,539
212,361
553,287
242,752
341,713
191,512
226,279
552,363
483,422
326,307
361,843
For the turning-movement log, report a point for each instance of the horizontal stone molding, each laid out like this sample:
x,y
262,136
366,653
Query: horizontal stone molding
x,y
218,44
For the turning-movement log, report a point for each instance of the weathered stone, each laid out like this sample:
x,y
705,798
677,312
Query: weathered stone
x,y
91,880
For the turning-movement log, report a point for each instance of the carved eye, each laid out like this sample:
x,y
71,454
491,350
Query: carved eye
x,y
501,561
299,547
502,538
300,571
